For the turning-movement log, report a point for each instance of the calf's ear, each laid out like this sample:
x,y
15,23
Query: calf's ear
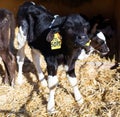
x,y
94,28
86,27
85,30
50,36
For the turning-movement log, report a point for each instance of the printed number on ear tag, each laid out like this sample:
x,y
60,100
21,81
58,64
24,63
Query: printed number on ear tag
x,y
56,41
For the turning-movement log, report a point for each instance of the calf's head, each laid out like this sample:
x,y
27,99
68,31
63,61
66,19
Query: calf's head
x,y
76,31
98,34
98,42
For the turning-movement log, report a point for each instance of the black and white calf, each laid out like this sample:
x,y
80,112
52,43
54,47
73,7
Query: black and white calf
x,y
97,33
59,39
97,44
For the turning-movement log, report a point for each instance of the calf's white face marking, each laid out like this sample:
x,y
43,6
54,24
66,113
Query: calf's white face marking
x,y
33,2
101,36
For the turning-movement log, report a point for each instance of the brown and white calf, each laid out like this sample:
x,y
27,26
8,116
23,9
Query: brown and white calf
x,y
7,26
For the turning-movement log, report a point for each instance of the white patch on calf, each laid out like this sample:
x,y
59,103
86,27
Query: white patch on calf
x,y
101,36
82,55
20,77
21,38
20,61
66,68
42,79
77,94
52,83
33,2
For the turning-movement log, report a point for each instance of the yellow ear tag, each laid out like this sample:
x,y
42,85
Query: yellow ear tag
x,y
56,41
88,43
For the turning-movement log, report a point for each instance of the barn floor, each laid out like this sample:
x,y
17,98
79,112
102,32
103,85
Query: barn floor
x,y
99,86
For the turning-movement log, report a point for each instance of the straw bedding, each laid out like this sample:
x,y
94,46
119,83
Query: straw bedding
x,y
99,86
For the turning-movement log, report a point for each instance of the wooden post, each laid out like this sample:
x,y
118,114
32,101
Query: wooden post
x,y
117,27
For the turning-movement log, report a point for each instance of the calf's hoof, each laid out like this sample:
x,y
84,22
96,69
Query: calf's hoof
x,y
44,83
80,101
52,111
19,80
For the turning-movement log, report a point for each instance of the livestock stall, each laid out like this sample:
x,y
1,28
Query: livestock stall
x,y
100,86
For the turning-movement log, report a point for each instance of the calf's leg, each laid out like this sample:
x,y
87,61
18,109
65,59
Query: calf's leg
x,y
21,38
36,61
20,62
52,82
72,77
10,66
6,76
73,82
